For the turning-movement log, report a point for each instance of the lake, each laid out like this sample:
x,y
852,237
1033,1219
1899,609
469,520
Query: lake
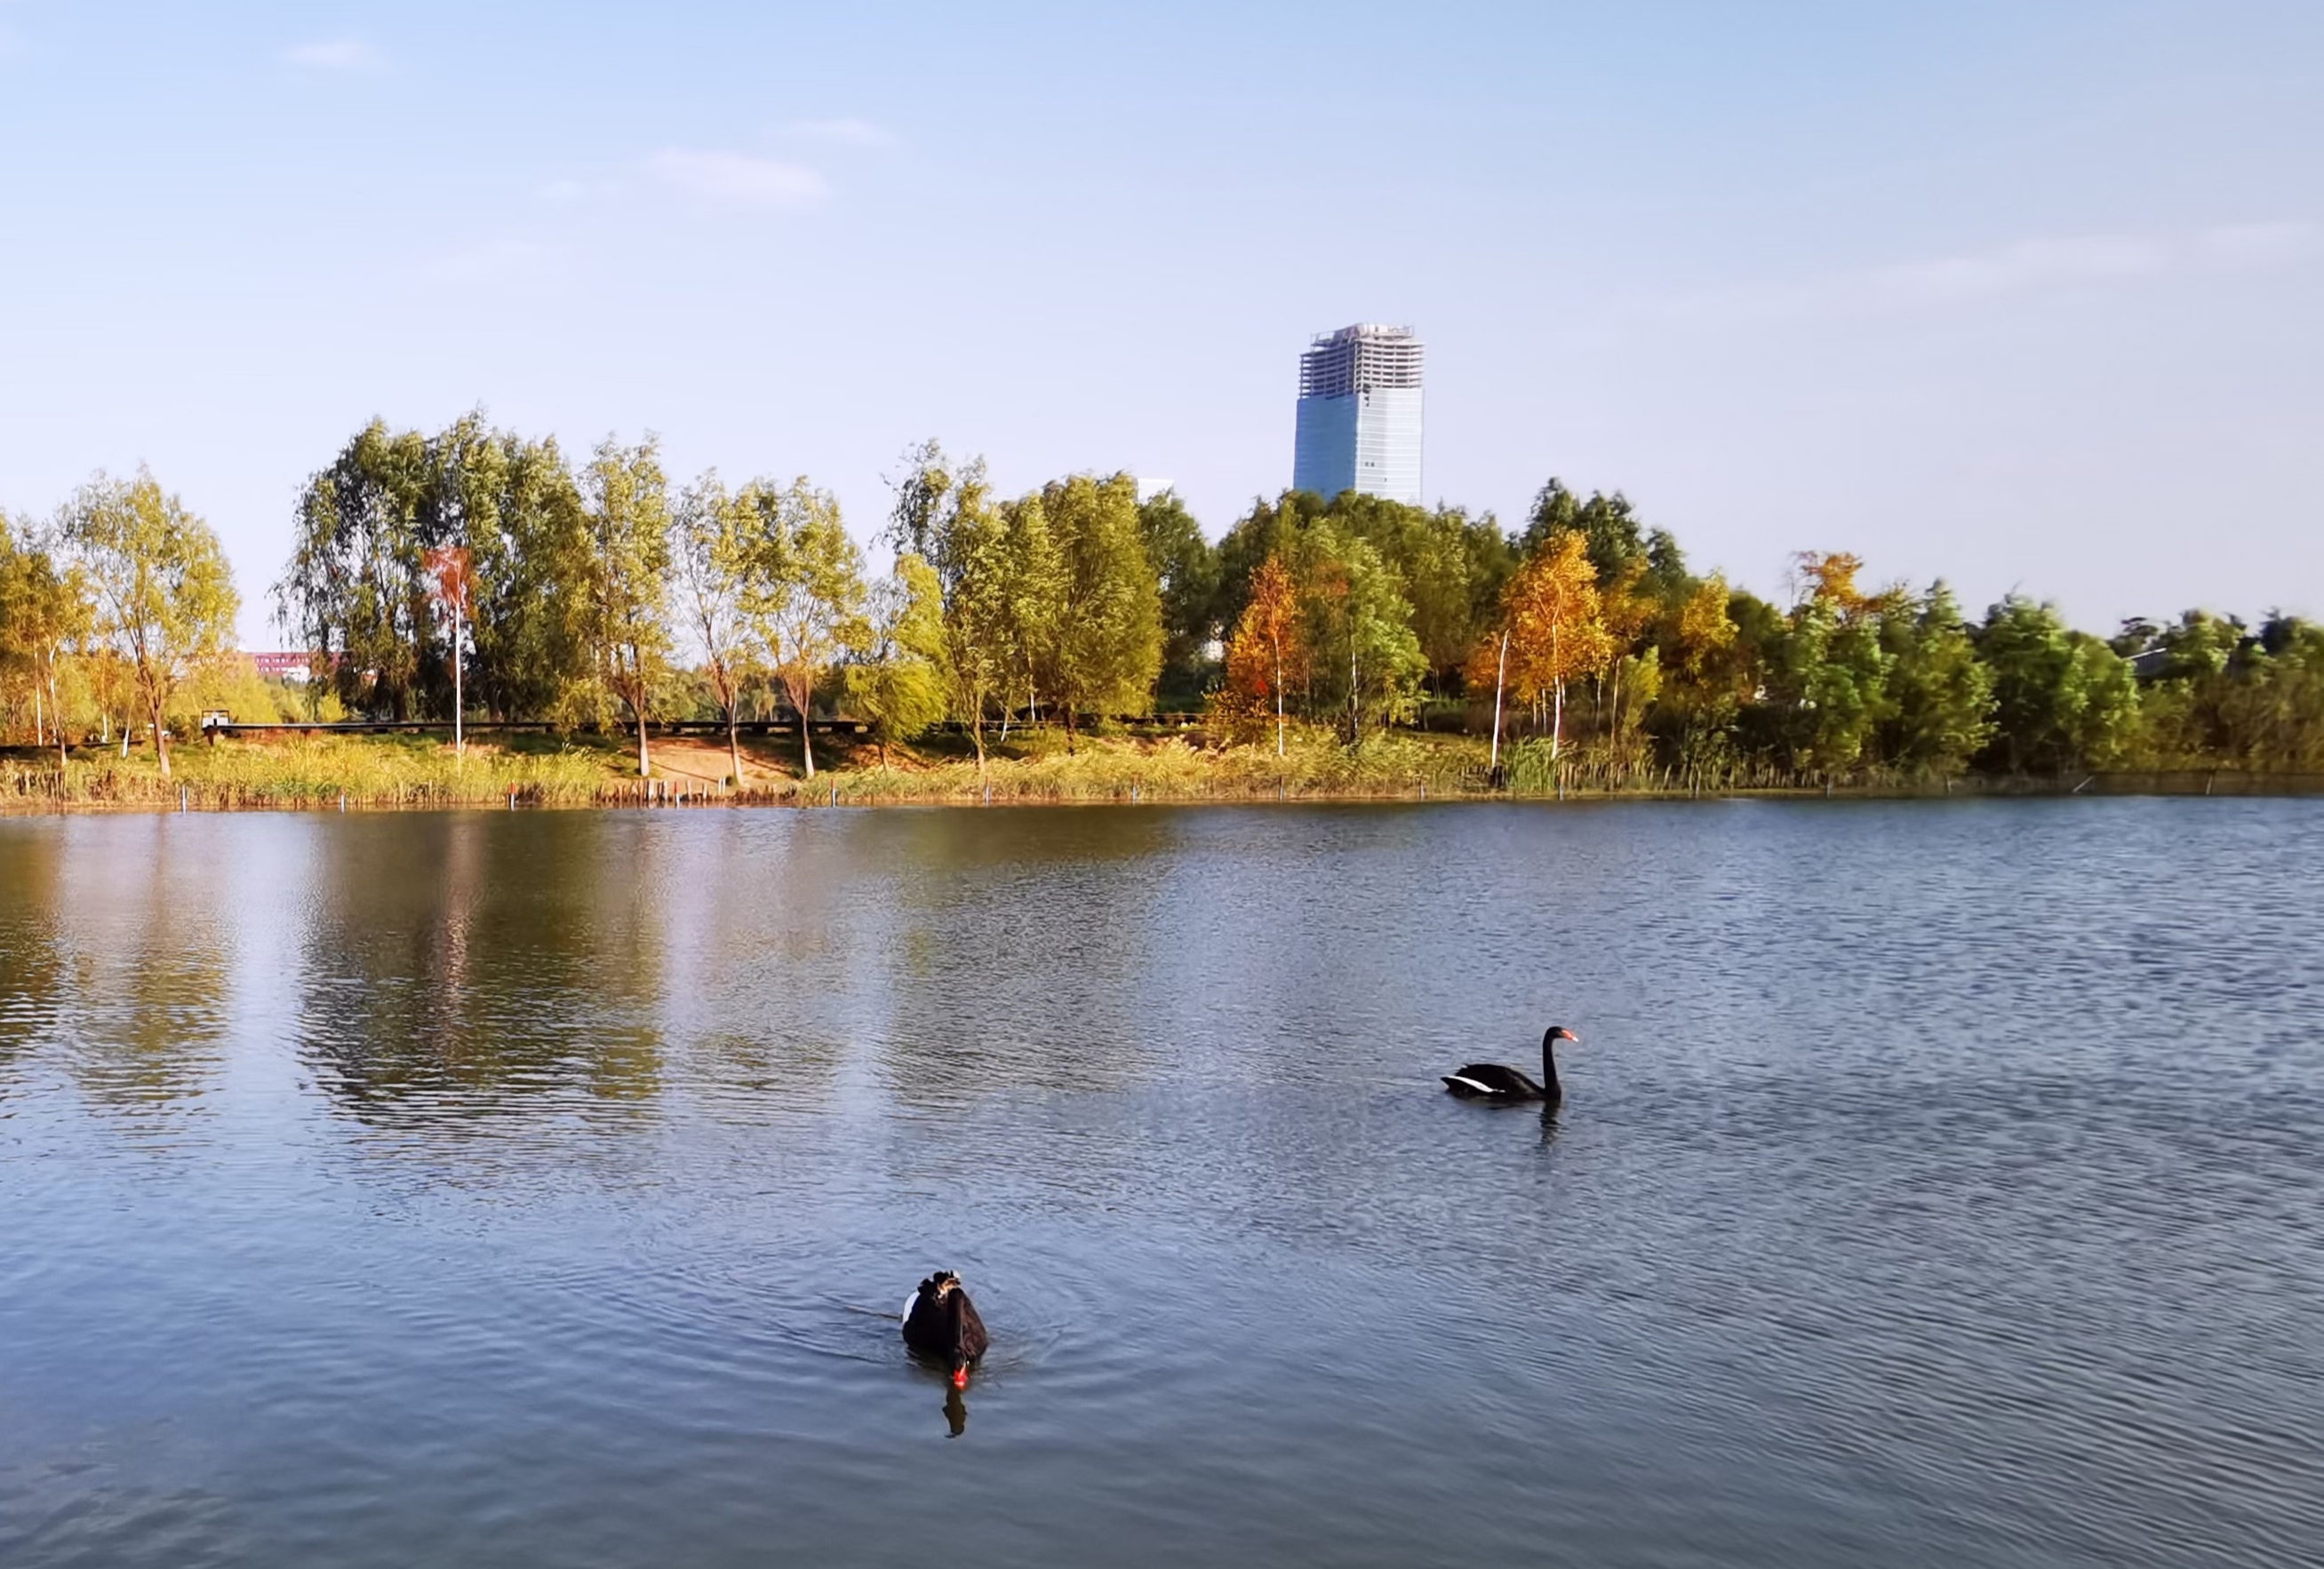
x,y
1937,1183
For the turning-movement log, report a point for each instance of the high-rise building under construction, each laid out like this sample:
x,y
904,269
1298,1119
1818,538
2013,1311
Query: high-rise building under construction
x,y
1359,414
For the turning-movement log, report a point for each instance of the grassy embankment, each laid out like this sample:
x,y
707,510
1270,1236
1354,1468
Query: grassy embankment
x,y
406,770
292,773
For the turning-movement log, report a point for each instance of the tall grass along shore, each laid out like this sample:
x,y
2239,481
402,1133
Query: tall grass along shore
x,y
305,773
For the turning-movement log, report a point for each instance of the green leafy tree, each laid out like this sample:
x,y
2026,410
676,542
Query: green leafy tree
x,y
1270,529
711,542
1830,673
626,502
897,685
1609,526
1450,566
806,595
1034,603
1107,634
1359,629
513,503
164,596
945,515
1186,568
1940,712
2063,699
356,588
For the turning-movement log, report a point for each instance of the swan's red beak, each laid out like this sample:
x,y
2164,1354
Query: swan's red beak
x,y
960,1378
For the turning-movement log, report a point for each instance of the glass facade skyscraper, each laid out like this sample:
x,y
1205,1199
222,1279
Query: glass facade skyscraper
x,y
1359,414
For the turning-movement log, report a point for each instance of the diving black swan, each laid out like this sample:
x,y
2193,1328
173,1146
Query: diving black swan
x,y
940,1324
1491,1081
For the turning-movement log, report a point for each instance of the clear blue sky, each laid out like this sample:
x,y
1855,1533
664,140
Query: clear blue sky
x,y
2022,294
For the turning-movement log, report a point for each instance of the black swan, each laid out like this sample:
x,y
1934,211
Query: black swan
x,y
1491,1081
940,1324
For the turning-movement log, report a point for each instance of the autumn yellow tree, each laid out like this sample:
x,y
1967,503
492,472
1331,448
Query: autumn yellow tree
x,y
1829,580
1627,608
164,595
1552,630
1267,653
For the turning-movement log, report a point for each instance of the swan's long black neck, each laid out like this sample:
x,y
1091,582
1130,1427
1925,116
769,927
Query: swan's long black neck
x,y
1549,1084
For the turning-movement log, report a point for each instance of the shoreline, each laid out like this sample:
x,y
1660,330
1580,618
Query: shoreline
x,y
2143,787
404,773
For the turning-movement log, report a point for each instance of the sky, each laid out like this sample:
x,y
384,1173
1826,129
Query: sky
x,y
2027,296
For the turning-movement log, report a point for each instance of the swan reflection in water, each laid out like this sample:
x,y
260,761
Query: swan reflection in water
x,y
956,1409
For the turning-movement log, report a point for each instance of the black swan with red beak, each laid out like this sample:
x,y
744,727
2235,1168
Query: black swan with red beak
x,y
941,1324
1491,1081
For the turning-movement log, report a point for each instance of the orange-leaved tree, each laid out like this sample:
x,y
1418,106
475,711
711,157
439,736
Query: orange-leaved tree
x,y
452,584
1267,653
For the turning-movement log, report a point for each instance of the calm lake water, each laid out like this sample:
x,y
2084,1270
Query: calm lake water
x,y
1937,1183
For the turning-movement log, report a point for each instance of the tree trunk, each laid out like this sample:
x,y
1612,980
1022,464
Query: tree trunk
x,y
55,708
1500,675
40,734
806,747
161,738
976,733
1069,729
1279,698
645,764
734,744
1556,719
459,737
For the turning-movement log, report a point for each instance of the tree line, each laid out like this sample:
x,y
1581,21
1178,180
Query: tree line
x,y
475,570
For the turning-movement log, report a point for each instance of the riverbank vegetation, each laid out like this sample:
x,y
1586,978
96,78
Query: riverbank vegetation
x,y
1345,645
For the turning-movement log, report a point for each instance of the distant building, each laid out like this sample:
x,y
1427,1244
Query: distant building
x,y
1359,414
282,666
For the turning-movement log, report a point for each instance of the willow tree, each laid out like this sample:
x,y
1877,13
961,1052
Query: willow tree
x,y
164,595
896,684
948,520
806,593
627,508
356,586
